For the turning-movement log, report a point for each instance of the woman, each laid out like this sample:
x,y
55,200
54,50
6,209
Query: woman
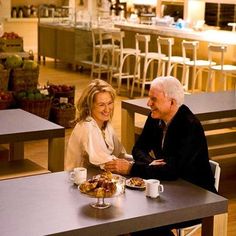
x,y
93,140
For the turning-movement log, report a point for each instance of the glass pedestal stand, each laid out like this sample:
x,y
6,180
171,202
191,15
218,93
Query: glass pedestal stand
x,y
100,204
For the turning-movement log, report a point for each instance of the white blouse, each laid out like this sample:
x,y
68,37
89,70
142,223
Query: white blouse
x,y
87,145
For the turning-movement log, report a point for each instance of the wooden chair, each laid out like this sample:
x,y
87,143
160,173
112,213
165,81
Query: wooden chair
x,y
148,59
197,66
225,70
188,231
173,62
102,49
120,68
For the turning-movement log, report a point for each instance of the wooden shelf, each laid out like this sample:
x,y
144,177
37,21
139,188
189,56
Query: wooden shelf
x,y
20,168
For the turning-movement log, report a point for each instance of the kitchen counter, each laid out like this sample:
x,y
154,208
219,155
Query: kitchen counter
x,y
65,42
208,35
204,37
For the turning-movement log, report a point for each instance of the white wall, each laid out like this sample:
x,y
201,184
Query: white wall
x,y
5,9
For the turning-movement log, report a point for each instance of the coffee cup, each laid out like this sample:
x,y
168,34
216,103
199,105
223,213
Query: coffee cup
x,y
78,175
153,188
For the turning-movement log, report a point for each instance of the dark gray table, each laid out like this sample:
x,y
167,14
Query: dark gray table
x,y
213,107
50,204
18,126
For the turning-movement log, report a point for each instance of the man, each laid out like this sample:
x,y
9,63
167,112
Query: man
x,y
172,144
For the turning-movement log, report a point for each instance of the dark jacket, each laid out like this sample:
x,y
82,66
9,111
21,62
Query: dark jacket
x,y
184,150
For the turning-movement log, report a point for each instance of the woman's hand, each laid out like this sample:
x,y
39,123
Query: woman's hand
x,y
119,166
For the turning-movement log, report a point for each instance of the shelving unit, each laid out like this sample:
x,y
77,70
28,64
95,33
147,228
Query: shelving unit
x,y
26,27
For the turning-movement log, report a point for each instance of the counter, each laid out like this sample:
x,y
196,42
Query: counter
x,y
204,37
209,35
64,42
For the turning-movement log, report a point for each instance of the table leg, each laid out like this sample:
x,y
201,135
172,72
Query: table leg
x,y
215,225
127,129
16,151
56,151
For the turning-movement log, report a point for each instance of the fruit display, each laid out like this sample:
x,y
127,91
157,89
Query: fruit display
x,y
10,35
11,42
62,105
13,61
53,88
6,99
4,77
5,95
29,65
31,95
63,113
34,102
24,73
65,93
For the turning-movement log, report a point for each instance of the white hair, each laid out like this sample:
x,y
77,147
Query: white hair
x,y
171,87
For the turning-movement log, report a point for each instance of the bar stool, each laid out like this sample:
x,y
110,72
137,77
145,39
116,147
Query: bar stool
x,y
102,49
198,66
172,61
225,70
148,59
120,68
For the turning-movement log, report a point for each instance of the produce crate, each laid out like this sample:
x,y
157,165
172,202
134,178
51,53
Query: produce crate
x,y
38,107
60,95
21,79
4,79
6,102
63,117
11,45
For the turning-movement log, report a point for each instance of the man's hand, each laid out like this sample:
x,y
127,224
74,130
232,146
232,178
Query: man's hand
x,y
159,162
119,166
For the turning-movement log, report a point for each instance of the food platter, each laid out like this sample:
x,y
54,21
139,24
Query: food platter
x,y
105,185
135,183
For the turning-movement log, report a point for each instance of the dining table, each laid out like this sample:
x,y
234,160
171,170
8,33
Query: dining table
x,y
215,110
51,204
18,126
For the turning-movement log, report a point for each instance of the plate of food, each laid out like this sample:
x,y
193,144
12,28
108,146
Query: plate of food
x,y
135,183
105,185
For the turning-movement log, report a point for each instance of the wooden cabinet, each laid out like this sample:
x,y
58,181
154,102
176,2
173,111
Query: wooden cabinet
x,y
83,46
67,44
46,42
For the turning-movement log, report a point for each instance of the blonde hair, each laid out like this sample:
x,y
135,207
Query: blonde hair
x,y
86,100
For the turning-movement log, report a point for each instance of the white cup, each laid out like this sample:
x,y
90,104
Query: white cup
x,y
78,175
153,188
